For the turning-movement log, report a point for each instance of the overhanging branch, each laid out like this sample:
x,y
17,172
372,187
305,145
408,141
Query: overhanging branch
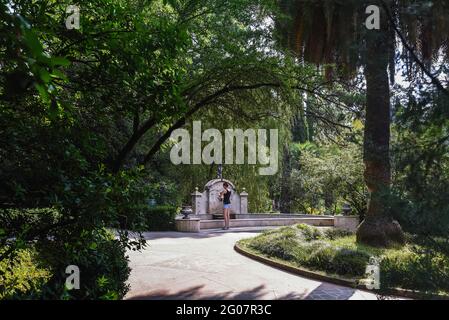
x,y
434,80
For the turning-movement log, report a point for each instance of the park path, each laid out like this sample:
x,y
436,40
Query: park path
x,y
205,266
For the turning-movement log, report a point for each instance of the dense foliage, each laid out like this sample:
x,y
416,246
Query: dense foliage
x,y
308,247
86,115
322,178
418,266
161,218
22,276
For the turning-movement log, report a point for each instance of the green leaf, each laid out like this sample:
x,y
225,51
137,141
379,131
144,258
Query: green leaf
x,y
33,43
59,74
59,61
44,75
43,93
357,124
23,22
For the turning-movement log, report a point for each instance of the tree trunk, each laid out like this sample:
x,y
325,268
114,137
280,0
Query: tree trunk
x,y
378,228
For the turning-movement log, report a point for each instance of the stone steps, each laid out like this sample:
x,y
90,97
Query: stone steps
x,y
262,222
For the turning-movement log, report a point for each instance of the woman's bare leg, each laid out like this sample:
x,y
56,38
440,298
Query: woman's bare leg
x,y
224,218
227,218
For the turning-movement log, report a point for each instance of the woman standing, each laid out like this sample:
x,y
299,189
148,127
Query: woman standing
x,y
225,195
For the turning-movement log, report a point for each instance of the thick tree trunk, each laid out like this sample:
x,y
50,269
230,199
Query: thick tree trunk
x,y
378,228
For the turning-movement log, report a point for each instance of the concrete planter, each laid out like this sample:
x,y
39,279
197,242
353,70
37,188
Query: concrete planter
x,y
349,223
187,225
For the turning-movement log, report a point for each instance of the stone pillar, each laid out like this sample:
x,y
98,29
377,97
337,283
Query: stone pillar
x,y
196,201
188,225
349,223
243,202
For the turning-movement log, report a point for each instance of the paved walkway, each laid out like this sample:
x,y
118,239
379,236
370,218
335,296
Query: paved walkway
x,y
205,266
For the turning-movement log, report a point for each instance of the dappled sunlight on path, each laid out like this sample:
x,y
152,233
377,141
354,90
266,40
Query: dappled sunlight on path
x,y
205,266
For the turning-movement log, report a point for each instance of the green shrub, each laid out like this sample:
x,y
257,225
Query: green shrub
x,y
423,264
325,257
21,276
309,233
285,233
102,262
416,269
278,243
13,221
320,257
334,233
280,248
100,257
306,246
350,262
161,218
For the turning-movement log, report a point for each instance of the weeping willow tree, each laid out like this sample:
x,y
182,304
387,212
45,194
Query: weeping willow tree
x,y
333,34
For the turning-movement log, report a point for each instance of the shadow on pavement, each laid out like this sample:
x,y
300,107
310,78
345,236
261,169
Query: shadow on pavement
x,y
201,235
196,292
327,291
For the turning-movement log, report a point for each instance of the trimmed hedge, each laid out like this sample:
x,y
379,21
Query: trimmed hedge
x,y
161,218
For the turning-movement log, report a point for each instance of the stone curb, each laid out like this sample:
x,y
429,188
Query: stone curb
x,y
343,282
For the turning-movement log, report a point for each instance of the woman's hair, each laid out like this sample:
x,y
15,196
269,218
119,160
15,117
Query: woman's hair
x,y
225,184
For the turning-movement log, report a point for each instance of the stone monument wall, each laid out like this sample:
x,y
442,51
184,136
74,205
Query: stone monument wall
x,y
208,201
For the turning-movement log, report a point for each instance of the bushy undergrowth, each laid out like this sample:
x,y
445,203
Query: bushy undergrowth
x,y
22,274
420,266
160,218
37,272
311,247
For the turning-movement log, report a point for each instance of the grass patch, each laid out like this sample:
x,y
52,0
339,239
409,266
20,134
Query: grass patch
x,y
416,266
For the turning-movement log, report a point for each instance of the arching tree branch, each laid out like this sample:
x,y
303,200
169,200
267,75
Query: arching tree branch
x,y
434,80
